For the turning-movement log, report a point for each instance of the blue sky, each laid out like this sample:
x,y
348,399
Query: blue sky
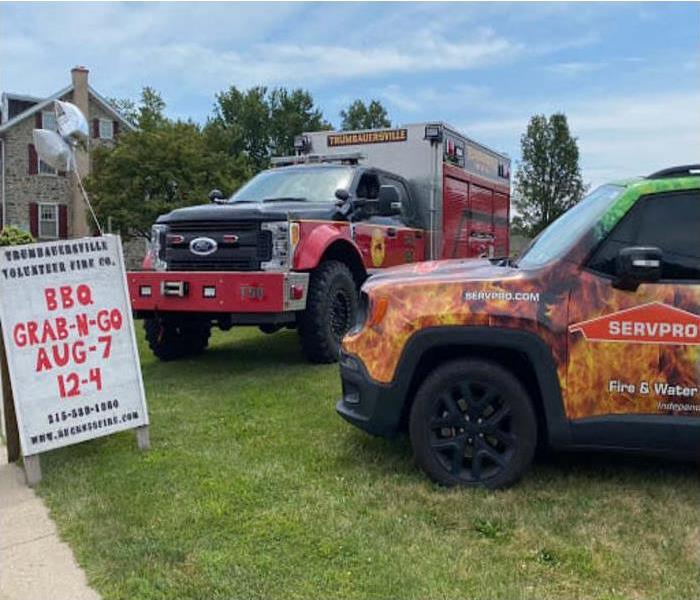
x,y
626,74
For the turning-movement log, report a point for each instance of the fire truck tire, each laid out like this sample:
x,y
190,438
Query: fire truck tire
x,y
331,309
472,424
170,339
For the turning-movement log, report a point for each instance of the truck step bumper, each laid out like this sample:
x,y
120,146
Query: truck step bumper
x,y
217,291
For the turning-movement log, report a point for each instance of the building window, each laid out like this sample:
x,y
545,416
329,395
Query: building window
x,y
48,120
46,169
106,129
48,221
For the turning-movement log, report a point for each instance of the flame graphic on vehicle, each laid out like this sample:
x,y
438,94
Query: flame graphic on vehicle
x,y
417,301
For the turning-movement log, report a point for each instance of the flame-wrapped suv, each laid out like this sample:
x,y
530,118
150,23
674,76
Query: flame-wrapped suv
x,y
590,340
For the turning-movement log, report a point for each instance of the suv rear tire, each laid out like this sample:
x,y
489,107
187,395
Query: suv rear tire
x,y
331,310
472,424
173,338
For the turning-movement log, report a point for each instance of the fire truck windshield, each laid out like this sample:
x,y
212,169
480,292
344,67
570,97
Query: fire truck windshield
x,y
562,234
310,184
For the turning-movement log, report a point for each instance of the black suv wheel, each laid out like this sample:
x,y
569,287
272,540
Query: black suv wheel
x,y
331,309
172,338
472,424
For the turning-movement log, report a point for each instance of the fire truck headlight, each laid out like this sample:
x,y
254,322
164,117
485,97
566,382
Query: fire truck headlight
x,y
157,246
281,255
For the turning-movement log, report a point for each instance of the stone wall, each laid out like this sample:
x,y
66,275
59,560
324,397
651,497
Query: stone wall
x,y
22,188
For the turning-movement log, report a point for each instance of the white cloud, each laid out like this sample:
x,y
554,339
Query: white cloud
x,y
207,48
574,68
618,136
462,95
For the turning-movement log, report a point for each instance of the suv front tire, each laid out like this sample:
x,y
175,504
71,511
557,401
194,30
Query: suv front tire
x,y
472,424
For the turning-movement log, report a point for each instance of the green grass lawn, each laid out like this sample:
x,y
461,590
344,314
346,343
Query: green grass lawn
x,y
255,488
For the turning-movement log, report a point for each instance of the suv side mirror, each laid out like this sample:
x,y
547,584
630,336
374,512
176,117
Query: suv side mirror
x,y
389,202
637,265
216,196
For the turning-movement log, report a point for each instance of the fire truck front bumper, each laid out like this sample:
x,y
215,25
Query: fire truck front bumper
x,y
217,292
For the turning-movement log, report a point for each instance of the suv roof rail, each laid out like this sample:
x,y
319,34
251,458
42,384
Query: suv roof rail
x,y
680,171
349,158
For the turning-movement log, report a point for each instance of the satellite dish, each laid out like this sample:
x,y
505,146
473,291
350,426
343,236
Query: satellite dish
x,y
53,149
72,124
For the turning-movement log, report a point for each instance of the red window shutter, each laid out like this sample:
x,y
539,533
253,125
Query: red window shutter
x,y
62,221
116,128
33,168
38,120
95,128
34,219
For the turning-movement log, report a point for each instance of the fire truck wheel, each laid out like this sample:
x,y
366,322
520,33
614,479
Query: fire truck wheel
x,y
331,309
472,424
170,339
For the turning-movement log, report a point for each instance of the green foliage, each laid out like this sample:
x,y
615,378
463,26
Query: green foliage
x,y
151,171
14,236
548,181
126,108
148,114
260,123
361,116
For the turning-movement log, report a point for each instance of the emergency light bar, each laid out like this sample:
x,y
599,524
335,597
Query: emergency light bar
x,y
349,158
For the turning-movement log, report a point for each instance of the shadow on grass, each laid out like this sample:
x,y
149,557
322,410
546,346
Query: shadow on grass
x,y
249,353
390,457
607,466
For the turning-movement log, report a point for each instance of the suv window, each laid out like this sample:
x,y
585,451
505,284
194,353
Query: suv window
x,y
669,221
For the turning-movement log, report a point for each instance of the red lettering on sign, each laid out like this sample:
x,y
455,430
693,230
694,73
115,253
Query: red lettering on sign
x,y
82,295
653,323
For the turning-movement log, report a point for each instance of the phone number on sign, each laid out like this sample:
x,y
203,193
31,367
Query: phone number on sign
x,y
82,411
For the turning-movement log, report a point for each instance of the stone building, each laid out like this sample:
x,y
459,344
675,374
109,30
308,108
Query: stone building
x,y
33,195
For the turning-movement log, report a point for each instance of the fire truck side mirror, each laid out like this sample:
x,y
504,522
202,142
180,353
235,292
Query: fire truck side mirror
x,y
389,202
342,194
216,196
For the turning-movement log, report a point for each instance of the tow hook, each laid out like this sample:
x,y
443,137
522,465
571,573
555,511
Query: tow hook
x,y
178,289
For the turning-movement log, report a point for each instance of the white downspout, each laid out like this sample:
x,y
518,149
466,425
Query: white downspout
x,y
2,185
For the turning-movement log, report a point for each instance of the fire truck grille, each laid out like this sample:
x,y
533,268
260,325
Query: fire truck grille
x,y
240,246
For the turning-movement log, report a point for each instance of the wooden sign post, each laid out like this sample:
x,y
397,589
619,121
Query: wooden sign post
x,y
68,358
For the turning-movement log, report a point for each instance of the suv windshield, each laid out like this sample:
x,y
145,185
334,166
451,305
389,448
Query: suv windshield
x,y
562,234
312,184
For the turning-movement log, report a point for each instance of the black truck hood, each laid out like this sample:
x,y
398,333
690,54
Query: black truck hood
x,y
255,211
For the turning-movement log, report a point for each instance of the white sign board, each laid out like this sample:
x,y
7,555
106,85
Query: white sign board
x,y
69,337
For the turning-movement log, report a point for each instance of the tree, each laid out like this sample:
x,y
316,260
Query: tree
x,y
361,116
126,108
156,168
548,181
261,123
148,113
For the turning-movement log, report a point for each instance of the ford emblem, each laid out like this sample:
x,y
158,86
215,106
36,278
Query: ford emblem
x,y
203,246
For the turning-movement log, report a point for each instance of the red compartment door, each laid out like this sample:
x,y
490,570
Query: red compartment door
x,y
481,230
500,223
455,218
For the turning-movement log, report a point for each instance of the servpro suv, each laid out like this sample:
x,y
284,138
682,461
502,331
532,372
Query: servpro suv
x,y
590,340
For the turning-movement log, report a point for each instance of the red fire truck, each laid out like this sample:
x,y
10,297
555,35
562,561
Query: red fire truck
x,y
293,245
